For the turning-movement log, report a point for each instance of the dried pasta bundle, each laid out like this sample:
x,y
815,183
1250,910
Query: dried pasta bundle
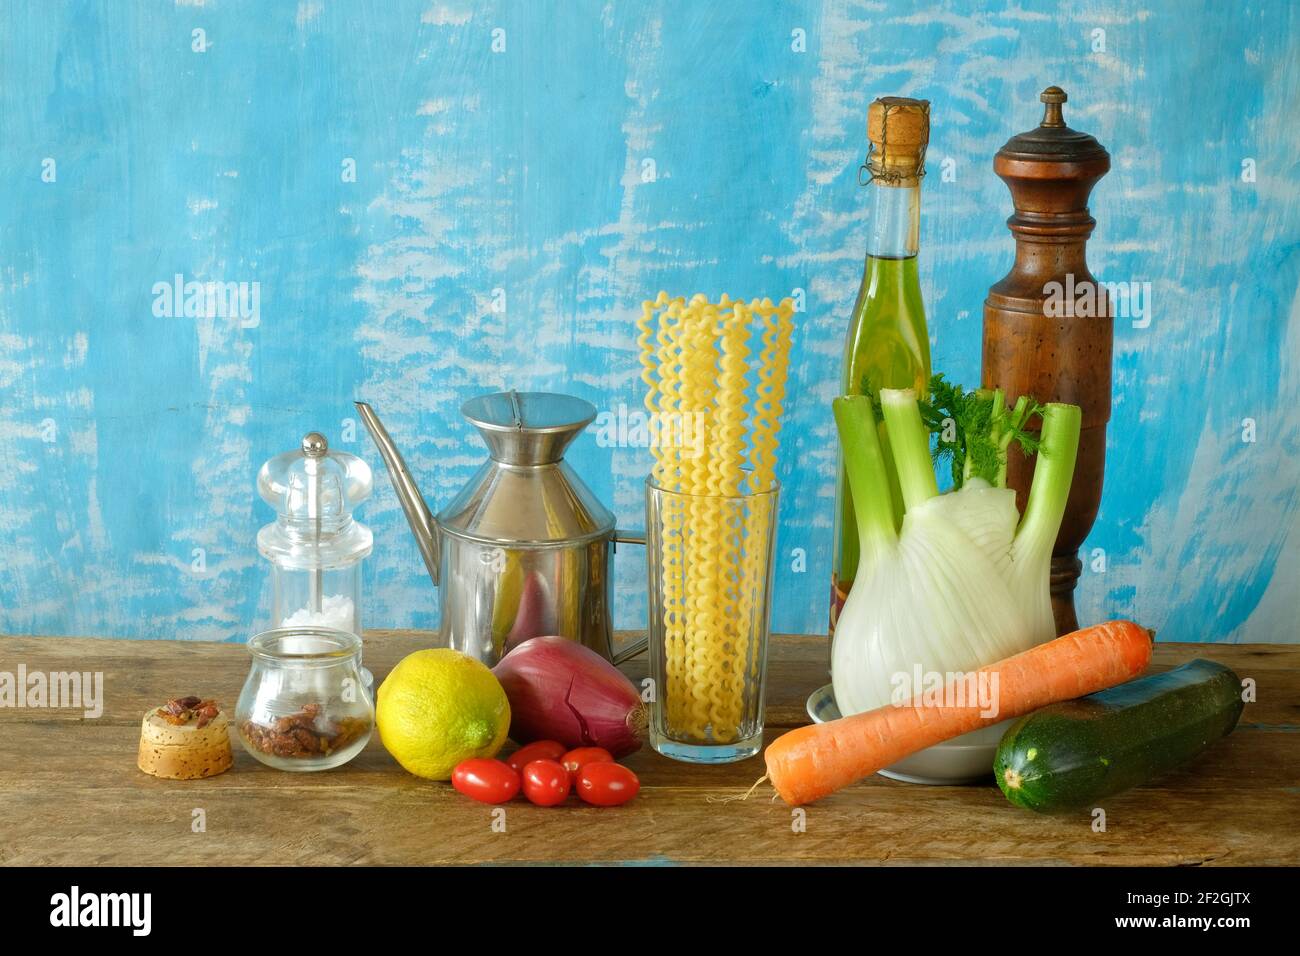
x,y
715,375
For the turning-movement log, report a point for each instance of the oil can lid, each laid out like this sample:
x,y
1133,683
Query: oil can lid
x,y
528,428
1053,141
527,495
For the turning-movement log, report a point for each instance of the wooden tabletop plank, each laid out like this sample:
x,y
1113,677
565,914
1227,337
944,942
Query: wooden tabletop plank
x,y
72,795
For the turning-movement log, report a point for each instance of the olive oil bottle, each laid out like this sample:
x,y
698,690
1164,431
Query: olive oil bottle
x,y
888,345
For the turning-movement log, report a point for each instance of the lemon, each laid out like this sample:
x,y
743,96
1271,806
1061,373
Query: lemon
x,y
439,707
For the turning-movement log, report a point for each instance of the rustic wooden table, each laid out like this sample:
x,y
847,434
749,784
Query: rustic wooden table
x,y
70,792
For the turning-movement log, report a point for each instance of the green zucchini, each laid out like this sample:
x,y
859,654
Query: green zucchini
x,y
1068,755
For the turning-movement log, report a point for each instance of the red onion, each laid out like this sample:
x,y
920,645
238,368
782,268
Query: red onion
x,y
560,690
536,612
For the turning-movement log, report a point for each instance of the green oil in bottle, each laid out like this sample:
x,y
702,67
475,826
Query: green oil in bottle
x,y
888,345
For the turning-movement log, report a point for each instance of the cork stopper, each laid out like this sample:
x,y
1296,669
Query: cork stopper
x,y
899,131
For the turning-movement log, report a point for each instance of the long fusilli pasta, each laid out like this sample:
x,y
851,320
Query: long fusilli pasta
x,y
716,403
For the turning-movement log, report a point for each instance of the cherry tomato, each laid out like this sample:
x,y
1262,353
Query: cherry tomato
x,y
607,784
546,782
537,750
579,757
487,781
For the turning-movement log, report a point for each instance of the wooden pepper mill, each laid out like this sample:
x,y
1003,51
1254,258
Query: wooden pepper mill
x,y
1048,331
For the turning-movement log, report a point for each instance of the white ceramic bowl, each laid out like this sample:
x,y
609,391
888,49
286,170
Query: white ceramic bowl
x,y
964,759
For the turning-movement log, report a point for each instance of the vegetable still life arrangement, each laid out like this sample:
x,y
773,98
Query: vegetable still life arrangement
x,y
943,628
964,581
811,762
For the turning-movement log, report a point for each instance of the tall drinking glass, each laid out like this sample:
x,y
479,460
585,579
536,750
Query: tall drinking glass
x,y
709,560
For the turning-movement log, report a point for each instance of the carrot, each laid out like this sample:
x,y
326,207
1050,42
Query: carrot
x,y
811,762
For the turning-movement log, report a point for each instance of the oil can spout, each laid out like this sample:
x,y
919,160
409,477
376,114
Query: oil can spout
x,y
423,525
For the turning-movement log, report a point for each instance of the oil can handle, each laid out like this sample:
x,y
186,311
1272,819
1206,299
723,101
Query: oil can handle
x,y
622,536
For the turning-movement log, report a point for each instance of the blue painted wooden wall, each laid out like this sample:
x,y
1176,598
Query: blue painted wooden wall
x,y
527,172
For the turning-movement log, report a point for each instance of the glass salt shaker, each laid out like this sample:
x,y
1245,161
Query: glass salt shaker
x,y
315,546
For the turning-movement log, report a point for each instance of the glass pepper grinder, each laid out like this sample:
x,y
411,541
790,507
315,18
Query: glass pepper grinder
x,y
315,546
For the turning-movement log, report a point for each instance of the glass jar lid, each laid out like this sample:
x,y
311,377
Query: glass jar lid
x,y
313,491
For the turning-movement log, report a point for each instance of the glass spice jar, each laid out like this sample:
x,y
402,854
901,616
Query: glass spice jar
x,y
305,705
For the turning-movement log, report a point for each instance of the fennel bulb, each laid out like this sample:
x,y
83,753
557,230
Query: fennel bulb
x,y
964,582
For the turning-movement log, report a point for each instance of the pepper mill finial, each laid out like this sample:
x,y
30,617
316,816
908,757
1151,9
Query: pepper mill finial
x,y
1054,97
315,445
